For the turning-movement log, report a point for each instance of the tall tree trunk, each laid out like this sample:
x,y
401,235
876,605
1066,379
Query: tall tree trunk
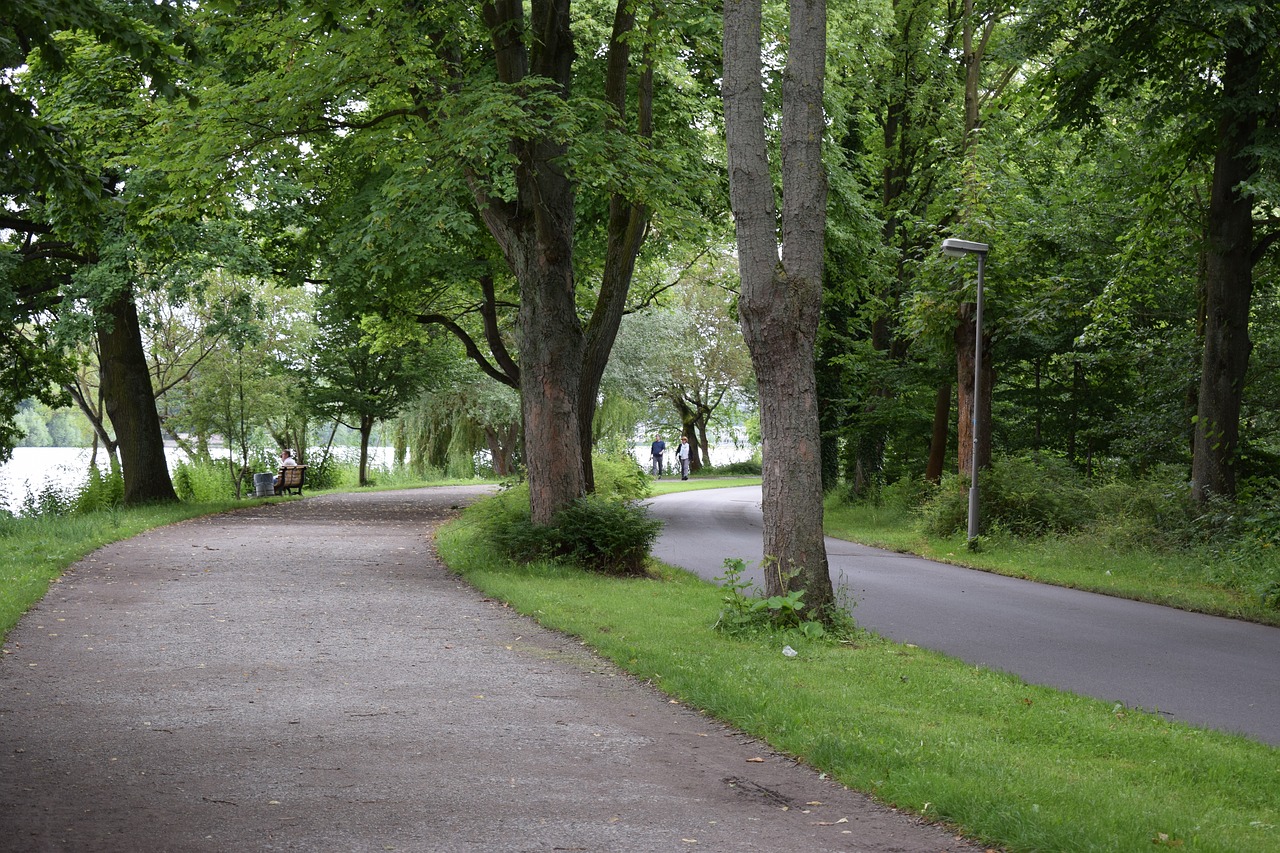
x,y
781,300
972,57
366,429
627,227
535,234
965,338
938,441
551,350
131,404
1228,291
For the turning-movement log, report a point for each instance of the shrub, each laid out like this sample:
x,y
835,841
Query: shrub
x,y
205,480
1032,496
604,535
49,502
100,491
948,510
1022,495
620,477
607,532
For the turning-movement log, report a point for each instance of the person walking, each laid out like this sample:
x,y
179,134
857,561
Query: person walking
x,y
683,455
655,451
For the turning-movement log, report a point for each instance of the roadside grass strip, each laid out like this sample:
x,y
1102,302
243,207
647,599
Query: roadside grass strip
x,y
1011,764
1189,579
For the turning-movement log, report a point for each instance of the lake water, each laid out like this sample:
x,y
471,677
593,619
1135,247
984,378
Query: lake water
x,y
66,469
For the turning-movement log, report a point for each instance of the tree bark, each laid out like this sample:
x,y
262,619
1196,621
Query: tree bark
x,y
938,440
781,297
560,363
131,405
1228,289
366,429
535,234
964,336
627,227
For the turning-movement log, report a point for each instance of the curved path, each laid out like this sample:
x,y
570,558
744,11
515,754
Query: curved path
x,y
1204,670
307,676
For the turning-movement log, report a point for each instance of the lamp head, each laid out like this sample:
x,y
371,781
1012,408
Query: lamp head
x,y
954,248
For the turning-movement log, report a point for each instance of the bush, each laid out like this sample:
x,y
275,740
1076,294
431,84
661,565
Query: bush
x,y
100,491
620,477
608,532
604,535
197,481
1024,496
947,511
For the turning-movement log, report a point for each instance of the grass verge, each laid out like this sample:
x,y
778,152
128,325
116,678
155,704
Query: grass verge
x,y
1174,579
672,485
1024,767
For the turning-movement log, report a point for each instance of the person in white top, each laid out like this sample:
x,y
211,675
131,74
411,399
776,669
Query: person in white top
x,y
286,461
683,455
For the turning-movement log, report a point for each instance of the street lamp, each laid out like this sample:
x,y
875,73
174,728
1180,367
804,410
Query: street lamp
x,y
954,248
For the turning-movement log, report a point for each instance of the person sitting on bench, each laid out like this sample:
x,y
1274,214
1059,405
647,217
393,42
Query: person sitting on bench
x,y
286,461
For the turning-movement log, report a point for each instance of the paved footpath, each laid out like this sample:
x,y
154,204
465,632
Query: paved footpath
x,y
306,676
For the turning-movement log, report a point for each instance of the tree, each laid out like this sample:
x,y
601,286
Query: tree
x,y
1211,70
704,361
48,183
360,381
782,290
487,109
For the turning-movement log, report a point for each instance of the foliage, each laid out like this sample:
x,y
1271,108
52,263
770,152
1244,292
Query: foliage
x,y
609,536
1242,539
620,477
1041,495
744,612
598,533
608,532
99,492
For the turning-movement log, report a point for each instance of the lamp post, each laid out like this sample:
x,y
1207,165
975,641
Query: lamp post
x,y
957,249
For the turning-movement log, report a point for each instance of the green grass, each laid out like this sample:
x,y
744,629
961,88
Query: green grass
x,y
1175,578
1023,767
671,485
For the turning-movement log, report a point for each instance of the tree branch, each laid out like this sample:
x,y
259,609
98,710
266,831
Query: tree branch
x,y
492,333
473,351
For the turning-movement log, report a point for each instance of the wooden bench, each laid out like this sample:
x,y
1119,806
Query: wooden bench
x,y
291,480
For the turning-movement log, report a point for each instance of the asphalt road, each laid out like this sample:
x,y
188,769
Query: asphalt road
x,y
1203,670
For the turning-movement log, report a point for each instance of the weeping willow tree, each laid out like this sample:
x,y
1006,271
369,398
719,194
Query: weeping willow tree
x,y
447,427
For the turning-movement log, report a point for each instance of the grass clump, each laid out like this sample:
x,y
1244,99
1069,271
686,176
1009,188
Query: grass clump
x,y
749,610
1024,767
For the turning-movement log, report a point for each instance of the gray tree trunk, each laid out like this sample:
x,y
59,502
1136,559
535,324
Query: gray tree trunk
x,y
782,291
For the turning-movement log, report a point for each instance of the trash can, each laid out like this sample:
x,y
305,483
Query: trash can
x,y
264,485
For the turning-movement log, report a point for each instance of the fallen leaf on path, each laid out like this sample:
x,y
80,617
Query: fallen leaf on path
x,y
756,760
